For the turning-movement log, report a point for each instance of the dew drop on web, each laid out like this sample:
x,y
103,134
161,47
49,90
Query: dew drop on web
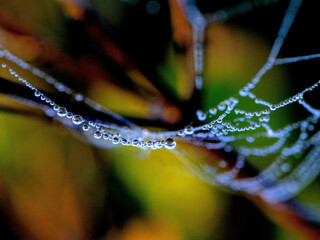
x,y
97,135
37,93
170,143
77,119
62,112
85,127
188,130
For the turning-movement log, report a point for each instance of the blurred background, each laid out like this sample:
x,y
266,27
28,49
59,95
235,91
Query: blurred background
x,y
135,58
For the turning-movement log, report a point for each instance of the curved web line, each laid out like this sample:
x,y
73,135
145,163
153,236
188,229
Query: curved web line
x,y
217,133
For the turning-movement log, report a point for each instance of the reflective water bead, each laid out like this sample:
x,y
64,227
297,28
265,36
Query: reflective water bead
x,y
78,97
85,127
265,118
242,93
97,135
181,132
201,115
170,143
115,140
212,111
250,85
37,93
222,106
149,143
158,144
106,136
135,142
251,95
43,97
56,107
91,123
69,115
188,130
310,127
124,141
62,112
4,65
273,107
77,119
304,124
143,144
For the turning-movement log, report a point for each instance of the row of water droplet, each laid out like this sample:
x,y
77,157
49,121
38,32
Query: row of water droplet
x,y
100,131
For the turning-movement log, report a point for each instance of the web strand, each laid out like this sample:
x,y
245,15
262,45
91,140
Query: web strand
x,y
222,127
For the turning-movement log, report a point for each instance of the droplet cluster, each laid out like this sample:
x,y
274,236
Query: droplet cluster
x,y
221,127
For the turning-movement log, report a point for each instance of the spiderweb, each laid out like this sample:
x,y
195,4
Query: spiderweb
x,y
229,126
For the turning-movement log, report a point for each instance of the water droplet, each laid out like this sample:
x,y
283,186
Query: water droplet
x,y
310,127
92,123
135,142
85,127
149,143
4,65
304,136
188,130
43,97
201,115
258,114
115,140
265,118
158,144
213,111
56,107
124,141
243,93
37,93
62,112
181,132
78,97
106,136
77,119
69,115
222,106
170,143
97,135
